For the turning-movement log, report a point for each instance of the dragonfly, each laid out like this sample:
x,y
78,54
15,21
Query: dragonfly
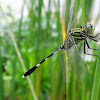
x,y
74,37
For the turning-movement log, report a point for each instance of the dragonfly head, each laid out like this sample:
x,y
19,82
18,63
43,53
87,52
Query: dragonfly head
x,y
90,28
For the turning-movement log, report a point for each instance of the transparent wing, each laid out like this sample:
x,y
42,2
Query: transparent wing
x,y
74,58
65,60
76,63
74,69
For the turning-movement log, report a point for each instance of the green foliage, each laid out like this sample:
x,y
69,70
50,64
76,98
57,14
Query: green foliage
x,y
37,36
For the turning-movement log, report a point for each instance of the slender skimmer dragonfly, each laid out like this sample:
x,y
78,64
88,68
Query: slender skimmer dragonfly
x,y
78,34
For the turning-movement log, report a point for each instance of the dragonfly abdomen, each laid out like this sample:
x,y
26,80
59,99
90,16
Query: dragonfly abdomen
x,y
36,66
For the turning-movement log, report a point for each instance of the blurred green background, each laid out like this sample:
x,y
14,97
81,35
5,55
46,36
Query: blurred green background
x,y
38,33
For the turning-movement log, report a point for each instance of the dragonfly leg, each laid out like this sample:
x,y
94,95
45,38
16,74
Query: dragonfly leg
x,y
96,35
89,48
93,37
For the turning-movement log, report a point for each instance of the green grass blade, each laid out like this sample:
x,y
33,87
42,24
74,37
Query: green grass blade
x,y
96,83
1,76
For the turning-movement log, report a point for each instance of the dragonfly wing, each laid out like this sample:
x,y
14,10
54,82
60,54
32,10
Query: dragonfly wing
x,y
77,63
